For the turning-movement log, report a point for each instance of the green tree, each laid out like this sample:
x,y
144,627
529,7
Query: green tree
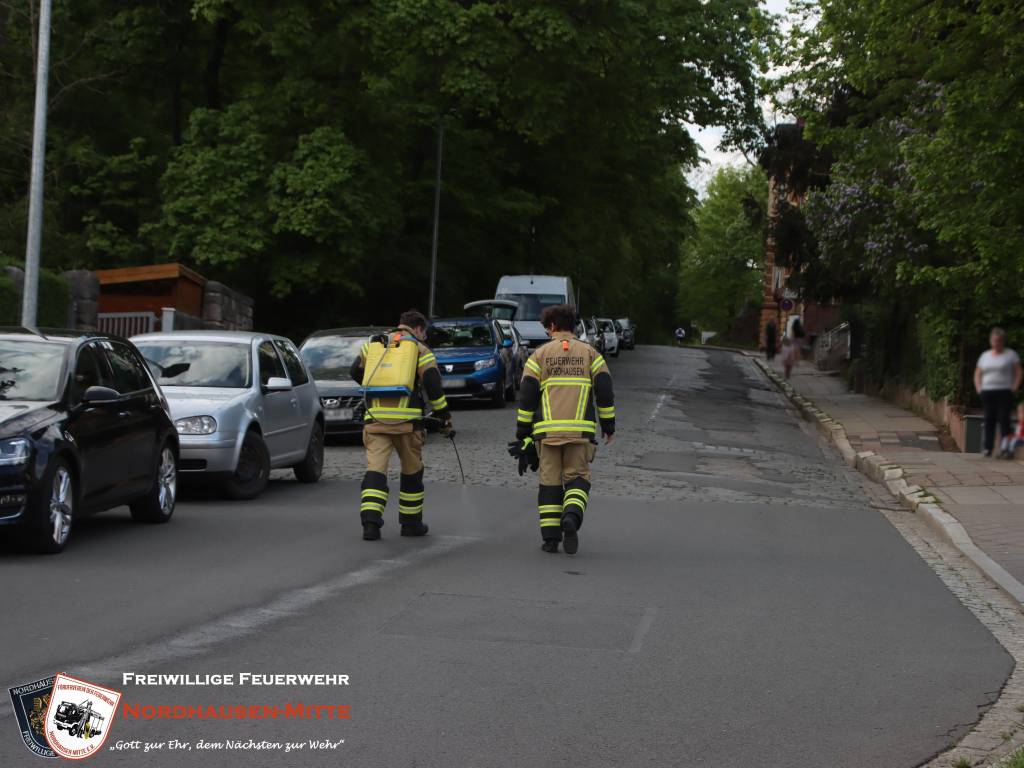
x,y
722,261
288,148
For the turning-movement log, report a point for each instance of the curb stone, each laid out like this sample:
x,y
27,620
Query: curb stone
x,y
979,746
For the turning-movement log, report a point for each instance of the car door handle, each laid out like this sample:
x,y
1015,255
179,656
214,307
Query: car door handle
x,y
124,414
295,402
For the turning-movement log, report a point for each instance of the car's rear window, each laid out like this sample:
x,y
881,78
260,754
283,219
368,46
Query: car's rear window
x,y
448,334
330,357
182,363
30,370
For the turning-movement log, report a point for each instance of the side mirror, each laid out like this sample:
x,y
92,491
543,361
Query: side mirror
x,y
277,384
99,395
507,343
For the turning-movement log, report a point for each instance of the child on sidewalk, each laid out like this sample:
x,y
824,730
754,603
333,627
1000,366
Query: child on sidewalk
x,y
1008,445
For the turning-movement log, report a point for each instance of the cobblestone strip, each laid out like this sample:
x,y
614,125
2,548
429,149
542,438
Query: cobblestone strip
x,y
1000,730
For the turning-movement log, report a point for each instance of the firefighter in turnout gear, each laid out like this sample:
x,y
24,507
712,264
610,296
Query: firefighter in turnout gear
x,y
395,423
562,381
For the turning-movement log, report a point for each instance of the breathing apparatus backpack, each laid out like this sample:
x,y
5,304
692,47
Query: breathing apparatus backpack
x,y
391,363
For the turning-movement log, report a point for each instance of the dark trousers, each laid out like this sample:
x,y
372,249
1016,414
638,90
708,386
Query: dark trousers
x,y
997,404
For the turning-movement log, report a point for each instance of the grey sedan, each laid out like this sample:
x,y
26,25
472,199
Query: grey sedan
x,y
242,403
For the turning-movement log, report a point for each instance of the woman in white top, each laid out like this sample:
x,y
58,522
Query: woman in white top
x,y
997,377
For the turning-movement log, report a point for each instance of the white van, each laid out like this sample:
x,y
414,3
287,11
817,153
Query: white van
x,y
533,293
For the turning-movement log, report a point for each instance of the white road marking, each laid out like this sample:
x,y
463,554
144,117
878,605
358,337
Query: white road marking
x,y
642,629
234,626
663,398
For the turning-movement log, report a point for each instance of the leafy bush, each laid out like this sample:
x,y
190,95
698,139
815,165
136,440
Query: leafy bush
x,y
53,304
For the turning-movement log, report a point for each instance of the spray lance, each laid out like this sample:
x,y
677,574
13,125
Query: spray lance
x,y
447,431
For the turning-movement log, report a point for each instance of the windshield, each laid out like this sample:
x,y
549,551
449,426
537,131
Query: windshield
x,y
30,370
532,304
329,357
607,327
453,334
198,363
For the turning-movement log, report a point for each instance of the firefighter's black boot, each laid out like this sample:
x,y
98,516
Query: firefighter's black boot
x,y
415,529
577,494
373,499
570,538
371,532
549,504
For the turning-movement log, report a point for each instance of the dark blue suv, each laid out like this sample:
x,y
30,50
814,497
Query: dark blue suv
x,y
475,358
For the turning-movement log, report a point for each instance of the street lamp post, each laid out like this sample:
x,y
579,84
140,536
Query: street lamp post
x,y
35,195
437,218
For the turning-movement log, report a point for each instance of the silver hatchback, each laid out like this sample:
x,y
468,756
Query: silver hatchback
x,y
242,403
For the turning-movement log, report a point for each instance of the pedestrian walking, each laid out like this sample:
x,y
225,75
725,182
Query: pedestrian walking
x,y
562,381
997,378
680,336
394,423
790,354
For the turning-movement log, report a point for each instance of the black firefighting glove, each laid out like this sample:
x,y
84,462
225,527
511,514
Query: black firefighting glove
x,y
525,451
446,424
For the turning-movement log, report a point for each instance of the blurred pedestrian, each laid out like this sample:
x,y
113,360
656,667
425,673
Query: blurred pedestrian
x,y
790,354
770,334
1011,443
997,377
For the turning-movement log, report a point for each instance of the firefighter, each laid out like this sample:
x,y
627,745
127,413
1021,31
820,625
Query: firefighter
x,y
396,424
562,380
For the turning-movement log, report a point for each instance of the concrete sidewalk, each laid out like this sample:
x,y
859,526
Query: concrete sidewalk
x,y
985,495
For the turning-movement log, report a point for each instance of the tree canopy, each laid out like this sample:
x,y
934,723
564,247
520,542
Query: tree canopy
x,y
288,147
721,266
917,107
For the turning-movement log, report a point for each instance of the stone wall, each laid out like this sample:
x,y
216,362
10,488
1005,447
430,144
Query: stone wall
x,y
225,309
85,298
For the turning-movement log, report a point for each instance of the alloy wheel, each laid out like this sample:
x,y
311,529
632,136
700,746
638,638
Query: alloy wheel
x,y
61,505
168,480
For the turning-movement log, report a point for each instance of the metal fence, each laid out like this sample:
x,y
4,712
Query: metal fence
x,y
126,323
832,347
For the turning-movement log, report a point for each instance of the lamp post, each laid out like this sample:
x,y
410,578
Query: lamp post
x,y
35,195
437,218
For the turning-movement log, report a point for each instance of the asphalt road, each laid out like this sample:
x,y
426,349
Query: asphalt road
x,y
736,602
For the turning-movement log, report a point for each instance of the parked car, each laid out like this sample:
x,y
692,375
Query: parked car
x,y
474,356
520,350
83,428
595,335
533,293
243,403
586,330
611,339
503,312
618,331
628,333
328,355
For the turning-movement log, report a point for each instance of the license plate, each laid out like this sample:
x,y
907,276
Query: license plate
x,y
454,383
339,414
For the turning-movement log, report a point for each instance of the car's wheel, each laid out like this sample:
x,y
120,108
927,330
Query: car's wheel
x,y
54,514
498,396
157,506
312,466
252,471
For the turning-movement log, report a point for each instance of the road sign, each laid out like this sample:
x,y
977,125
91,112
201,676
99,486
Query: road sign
x,y
786,305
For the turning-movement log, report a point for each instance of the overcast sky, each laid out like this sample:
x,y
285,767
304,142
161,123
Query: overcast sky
x,y
709,138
